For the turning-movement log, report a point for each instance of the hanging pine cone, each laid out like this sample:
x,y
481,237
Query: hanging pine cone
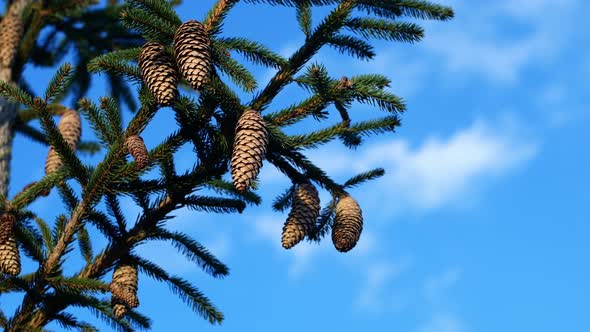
x,y
119,309
348,224
7,222
52,162
193,53
9,257
123,287
70,127
305,209
138,151
249,149
11,30
159,72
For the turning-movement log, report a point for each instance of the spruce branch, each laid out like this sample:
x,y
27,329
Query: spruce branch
x,y
304,17
194,251
364,177
59,83
320,36
252,51
386,29
188,293
207,122
214,20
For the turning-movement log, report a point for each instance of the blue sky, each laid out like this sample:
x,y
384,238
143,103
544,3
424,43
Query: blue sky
x,y
481,223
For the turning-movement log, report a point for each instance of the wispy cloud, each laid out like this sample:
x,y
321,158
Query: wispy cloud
x,y
476,44
440,171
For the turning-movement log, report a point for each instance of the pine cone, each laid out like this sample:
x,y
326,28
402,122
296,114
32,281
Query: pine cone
x,y
70,127
11,30
119,309
124,285
52,162
305,209
159,72
348,224
7,222
9,257
138,151
249,149
193,53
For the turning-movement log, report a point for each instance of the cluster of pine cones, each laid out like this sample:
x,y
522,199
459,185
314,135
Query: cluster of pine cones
x,y
305,209
193,59
160,73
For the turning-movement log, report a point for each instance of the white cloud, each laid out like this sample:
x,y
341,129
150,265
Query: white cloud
x,y
441,171
497,60
476,42
442,322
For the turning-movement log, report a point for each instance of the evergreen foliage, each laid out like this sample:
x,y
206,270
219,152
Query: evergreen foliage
x,y
107,40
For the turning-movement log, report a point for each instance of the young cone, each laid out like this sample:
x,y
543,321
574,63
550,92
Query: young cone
x,y
193,53
11,30
138,151
348,224
123,287
249,149
9,257
70,127
305,209
159,72
6,226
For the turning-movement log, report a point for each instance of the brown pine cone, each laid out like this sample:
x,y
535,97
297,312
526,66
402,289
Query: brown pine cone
x,y
9,257
7,222
52,162
249,149
119,309
159,72
11,30
70,127
305,210
123,287
193,53
138,151
348,224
